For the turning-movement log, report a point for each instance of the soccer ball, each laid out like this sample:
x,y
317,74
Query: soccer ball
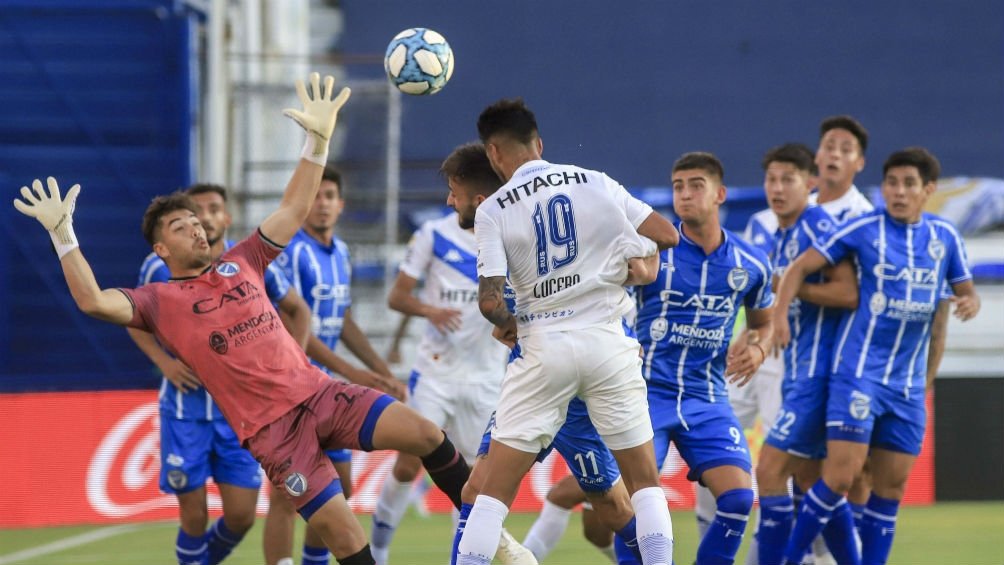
x,y
419,61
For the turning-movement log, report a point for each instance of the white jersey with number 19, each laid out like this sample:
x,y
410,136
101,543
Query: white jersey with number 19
x,y
563,235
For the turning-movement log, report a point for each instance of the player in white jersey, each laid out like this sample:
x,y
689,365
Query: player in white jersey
x,y
565,237
458,371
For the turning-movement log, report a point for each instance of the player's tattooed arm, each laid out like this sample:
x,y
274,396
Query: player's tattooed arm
x,y
491,301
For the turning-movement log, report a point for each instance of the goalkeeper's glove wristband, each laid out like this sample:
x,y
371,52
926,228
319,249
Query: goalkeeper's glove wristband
x,y
63,238
315,149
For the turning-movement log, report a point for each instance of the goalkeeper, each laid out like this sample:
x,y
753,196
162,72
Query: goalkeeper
x,y
216,318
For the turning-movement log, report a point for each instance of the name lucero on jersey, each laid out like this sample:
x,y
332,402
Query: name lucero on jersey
x,y
705,304
531,186
556,284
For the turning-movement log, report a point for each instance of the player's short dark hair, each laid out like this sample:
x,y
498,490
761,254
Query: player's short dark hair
x,y
206,188
797,154
848,123
469,164
927,164
160,207
334,175
700,160
509,117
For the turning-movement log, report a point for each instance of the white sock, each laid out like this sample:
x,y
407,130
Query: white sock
x,y
390,509
481,535
285,561
545,533
654,526
380,554
609,552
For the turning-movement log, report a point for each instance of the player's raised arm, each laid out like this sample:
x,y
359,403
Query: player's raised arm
x,y
318,117
56,215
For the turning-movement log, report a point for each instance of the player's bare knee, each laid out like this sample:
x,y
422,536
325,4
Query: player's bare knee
x,y
239,522
406,468
428,437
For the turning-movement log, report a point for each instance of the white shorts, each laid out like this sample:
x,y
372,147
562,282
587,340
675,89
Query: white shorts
x,y
461,408
600,365
761,396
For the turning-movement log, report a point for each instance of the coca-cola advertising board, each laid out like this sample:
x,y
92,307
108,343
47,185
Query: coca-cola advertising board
x,y
93,458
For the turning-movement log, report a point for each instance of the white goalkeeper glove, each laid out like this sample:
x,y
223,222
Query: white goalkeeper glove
x,y
318,116
54,212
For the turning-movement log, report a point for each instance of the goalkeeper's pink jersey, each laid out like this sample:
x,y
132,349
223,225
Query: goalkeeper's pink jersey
x,y
222,325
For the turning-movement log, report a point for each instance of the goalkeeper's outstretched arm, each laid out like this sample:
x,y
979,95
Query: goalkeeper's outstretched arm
x,y
318,117
56,216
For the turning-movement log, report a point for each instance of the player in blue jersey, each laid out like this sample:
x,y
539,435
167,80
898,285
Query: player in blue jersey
x,y
196,442
685,321
798,433
316,262
876,405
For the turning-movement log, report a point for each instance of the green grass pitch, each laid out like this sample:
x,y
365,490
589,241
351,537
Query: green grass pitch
x,y
959,533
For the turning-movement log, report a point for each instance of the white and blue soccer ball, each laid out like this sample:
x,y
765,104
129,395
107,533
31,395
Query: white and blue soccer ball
x,y
419,61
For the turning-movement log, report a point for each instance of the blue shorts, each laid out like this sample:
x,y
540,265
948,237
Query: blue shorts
x,y
191,451
800,425
579,444
339,455
709,435
864,411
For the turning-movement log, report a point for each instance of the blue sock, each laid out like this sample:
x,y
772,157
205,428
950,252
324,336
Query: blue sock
x,y
315,555
221,541
626,545
859,511
725,534
465,512
841,537
191,550
815,512
878,526
777,513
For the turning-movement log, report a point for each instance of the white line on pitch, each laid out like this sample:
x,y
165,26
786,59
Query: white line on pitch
x,y
66,543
